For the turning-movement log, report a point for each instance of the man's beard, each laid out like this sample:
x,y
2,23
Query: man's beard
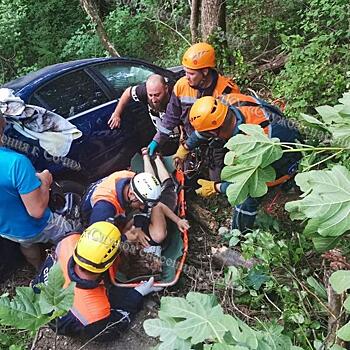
x,y
161,107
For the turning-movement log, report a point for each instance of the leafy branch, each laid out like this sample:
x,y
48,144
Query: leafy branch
x,y
252,154
250,158
29,310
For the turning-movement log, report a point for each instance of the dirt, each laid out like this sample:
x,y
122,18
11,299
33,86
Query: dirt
x,y
134,339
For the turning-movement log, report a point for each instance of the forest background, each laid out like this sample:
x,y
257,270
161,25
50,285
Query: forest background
x,y
294,52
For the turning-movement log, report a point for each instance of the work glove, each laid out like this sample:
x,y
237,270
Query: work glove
x,y
152,147
181,153
147,287
179,157
207,188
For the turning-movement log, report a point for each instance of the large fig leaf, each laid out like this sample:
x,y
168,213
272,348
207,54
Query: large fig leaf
x,y
164,329
202,319
322,244
246,181
28,310
53,297
341,135
241,333
329,114
313,122
23,311
255,148
326,202
345,99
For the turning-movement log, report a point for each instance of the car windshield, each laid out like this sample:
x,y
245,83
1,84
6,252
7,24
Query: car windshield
x,y
122,76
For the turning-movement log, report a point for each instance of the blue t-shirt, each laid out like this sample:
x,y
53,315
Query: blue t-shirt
x,y
18,177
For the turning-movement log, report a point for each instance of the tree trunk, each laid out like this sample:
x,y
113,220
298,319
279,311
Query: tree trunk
x,y
194,20
91,9
212,17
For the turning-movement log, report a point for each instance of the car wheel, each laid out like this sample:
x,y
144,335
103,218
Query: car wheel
x,y
73,193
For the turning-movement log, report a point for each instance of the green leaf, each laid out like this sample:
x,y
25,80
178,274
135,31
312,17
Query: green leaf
x,y
345,99
256,278
340,135
255,148
340,281
201,316
229,158
164,329
347,303
319,289
246,181
322,244
228,347
233,241
23,312
344,332
326,201
53,297
328,114
313,122
232,275
337,347
240,332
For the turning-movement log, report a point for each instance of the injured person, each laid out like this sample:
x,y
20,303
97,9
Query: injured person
x,y
140,206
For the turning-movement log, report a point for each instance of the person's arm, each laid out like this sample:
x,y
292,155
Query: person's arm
x,y
36,202
125,303
170,120
209,188
182,224
115,119
194,140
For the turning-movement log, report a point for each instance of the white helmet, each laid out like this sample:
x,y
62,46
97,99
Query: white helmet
x,y
146,188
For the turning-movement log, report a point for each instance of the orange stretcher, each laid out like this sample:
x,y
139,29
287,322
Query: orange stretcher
x,y
175,252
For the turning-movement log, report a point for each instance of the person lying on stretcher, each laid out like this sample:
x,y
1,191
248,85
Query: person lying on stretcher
x,y
139,203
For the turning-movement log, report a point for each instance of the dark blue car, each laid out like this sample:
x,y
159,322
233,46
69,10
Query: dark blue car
x,y
86,92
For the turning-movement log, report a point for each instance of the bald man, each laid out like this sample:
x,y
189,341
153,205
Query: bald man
x,y
155,94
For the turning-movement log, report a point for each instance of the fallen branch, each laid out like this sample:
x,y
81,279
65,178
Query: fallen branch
x,y
273,65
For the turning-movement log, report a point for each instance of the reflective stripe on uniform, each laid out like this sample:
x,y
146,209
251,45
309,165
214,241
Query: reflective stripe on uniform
x,y
133,94
187,99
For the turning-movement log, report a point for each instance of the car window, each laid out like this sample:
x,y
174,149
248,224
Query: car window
x,y
71,94
121,76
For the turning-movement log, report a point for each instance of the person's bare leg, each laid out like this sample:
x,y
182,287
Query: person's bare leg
x,y
33,255
157,228
147,165
163,173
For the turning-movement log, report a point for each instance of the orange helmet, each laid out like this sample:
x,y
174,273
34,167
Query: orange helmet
x,y
198,56
207,113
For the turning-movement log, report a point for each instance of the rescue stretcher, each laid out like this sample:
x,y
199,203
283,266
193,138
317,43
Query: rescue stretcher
x,y
174,255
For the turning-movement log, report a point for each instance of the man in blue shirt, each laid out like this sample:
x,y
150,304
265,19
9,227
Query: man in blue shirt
x,y
24,195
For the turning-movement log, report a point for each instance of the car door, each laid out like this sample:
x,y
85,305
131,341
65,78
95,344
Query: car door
x,y
77,97
88,102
